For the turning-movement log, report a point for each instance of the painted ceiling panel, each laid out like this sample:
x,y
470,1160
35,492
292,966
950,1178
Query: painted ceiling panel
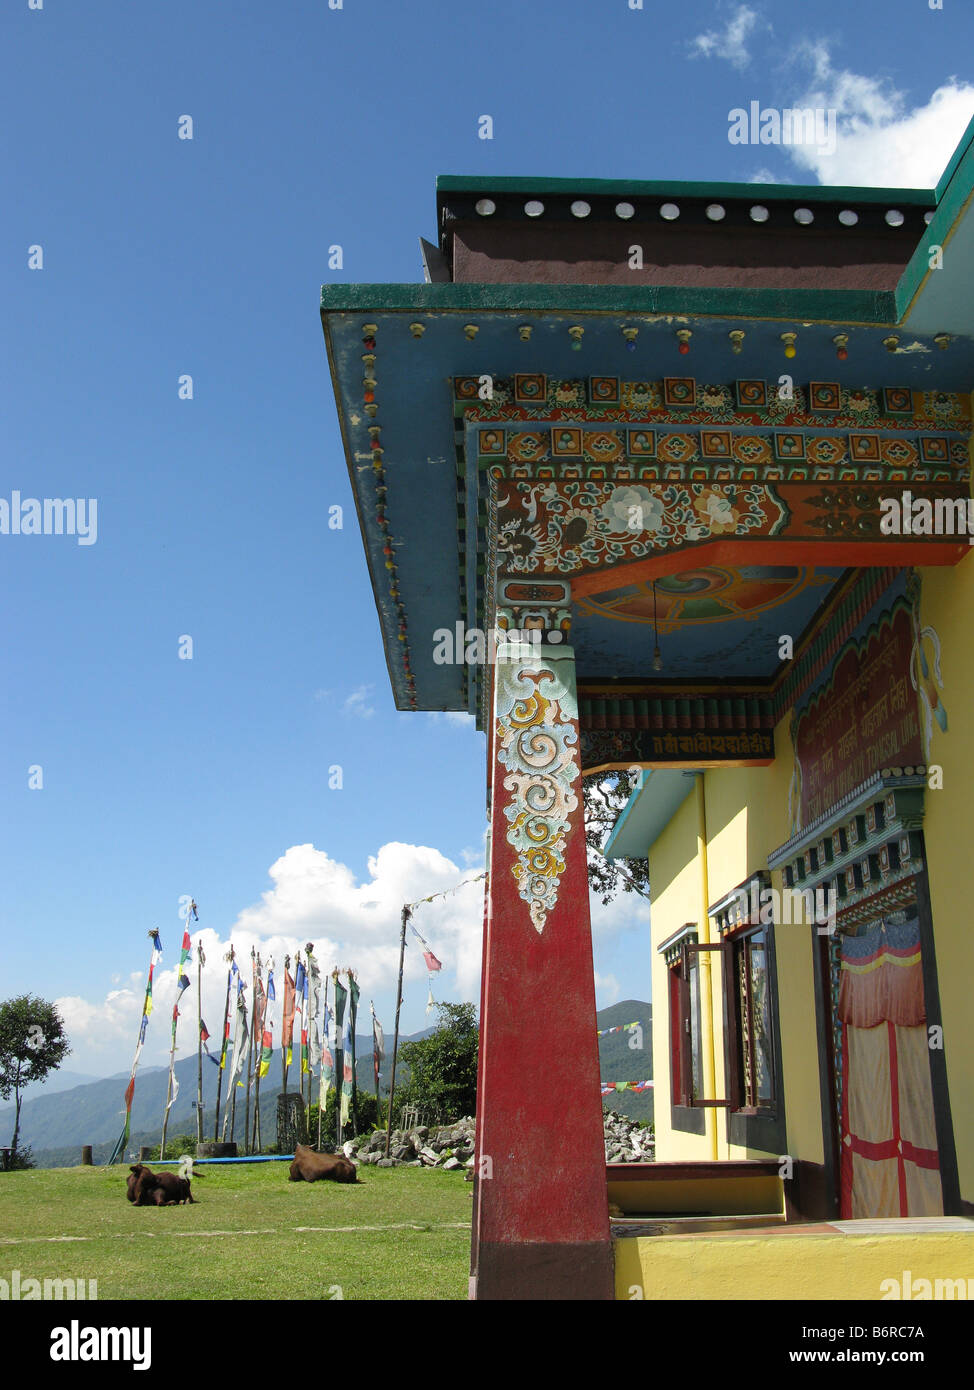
x,y
713,622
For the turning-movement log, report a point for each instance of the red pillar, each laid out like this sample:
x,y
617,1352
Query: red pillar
x,y
541,1219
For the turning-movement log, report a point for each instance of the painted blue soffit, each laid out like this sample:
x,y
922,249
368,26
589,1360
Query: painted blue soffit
x,y
648,812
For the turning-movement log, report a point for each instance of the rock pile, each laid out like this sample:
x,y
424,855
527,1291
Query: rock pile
x,y
442,1146
625,1142
451,1146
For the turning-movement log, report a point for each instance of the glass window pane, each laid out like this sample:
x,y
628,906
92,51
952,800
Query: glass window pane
x,y
761,1006
696,1051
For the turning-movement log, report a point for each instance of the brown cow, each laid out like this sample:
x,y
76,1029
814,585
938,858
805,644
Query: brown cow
x,y
135,1172
309,1166
159,1189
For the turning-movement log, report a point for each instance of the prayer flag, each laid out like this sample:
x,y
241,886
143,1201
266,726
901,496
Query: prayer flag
x,y
287,1022
378,1045
266,1050
123,1138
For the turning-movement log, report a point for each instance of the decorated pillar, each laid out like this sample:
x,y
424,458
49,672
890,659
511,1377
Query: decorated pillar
x,y
541,1222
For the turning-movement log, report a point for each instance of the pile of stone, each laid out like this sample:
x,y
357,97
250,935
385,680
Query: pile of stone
x,y
451,1146
625,1142
446,1146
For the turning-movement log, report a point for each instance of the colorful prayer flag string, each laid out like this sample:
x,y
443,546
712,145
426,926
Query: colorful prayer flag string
x,y
607,1088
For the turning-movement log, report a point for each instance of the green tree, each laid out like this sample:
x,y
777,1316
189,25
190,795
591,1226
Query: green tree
x,y
32,1043
443,1067
606,795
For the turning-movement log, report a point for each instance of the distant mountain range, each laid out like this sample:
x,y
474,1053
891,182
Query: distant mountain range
x,y
620,1061
70,1110
94,1112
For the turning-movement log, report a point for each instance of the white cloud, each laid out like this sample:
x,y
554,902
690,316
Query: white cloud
x,y
626,912
452,716
312,898
729,43
357,703
882,140
606,990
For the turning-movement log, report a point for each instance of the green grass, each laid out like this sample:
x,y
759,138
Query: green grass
x,y
250,1234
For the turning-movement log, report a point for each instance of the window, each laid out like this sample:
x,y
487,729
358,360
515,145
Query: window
x,y
754,1088
686,1049
753,1004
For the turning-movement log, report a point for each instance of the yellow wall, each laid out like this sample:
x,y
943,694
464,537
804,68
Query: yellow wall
x,y
827,1266
676,892
947,605
747,818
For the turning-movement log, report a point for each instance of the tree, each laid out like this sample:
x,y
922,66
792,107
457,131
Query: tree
x,y
606,794
32,1043
443,1067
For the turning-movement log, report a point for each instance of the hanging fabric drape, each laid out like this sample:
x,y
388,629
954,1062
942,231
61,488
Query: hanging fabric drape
x,y
890,1164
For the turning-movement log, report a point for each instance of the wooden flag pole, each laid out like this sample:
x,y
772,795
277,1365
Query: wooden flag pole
x,y
253,1025
172,1059
223,1044
258,1049
321,1062
299,1004
199,1042
353,1018
374,1060
338,1070
287,966
395,1044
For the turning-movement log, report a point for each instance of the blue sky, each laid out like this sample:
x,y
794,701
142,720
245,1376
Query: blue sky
x,y
164,257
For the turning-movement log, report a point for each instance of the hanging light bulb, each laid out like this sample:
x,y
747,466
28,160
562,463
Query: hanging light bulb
x,y
657,658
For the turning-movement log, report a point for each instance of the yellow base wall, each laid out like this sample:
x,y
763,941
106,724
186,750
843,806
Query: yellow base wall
x,y
812,1267
946,604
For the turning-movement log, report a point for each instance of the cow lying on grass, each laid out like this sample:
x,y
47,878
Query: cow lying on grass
x,y
309,1166
146,1188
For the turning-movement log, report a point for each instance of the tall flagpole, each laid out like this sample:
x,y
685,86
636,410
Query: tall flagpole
x,y
299,1004
321,1061
258,1052
395,1045
223,1043
172,1058
287,966
253,1026
199,1041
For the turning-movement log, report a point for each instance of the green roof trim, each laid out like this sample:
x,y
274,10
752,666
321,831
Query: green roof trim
x,y
953,194
963,145
655,188
805,305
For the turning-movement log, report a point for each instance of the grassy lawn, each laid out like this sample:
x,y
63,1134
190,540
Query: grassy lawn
x,y
251,1234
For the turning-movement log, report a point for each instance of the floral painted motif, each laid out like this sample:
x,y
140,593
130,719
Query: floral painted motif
x,y
536,740
570,526
632,509
717,511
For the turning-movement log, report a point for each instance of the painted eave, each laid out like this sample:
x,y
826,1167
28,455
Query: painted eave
x,y
803,305
648,812
655,188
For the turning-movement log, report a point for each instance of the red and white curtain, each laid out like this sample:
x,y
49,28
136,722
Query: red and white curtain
x,y
890,1165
